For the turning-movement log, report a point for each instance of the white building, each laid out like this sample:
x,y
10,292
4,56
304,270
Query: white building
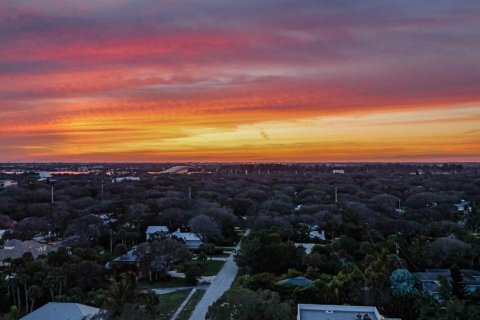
x,y
127,178
317,235
8,183
191,239
152,231
44,175
63,310
338,171
336,312
463,206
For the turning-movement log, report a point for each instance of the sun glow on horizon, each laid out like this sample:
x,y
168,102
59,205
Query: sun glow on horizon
x,y
265,82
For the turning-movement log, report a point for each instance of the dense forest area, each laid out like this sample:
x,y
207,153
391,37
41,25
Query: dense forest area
x,y
381,225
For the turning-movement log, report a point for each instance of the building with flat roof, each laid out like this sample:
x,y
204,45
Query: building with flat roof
x,y
336,312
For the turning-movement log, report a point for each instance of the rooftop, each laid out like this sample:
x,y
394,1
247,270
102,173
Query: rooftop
x,y
336,312
186,236
63,311
153,229
16,248
297,281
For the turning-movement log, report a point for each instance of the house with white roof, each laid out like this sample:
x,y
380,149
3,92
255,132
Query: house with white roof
x,y
336,312
63,311
126,178
153,231
44,176
191,239
8,183
317,235
463,206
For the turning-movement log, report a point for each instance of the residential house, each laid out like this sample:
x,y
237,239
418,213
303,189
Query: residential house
x,y
430,280
107,218
336,312
177,170
44,176
130,261
463,207
314,232
317,235
13,249
8,183
63,311
307,246
430,283
297,282
126,178
156,231
191,239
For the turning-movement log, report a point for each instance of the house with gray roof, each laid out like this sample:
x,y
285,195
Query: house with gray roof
x,y
430,280
297,281
63,311
13,249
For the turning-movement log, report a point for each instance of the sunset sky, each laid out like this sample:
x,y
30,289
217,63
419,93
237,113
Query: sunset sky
x,y
239,80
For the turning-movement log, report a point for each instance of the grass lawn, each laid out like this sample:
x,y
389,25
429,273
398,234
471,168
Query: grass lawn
x,y
221,255
170,283
228,249
213,267
187,311
170,302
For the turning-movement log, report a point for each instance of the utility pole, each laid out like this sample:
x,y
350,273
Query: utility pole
x,y
52,193
190,195
336,195
111,241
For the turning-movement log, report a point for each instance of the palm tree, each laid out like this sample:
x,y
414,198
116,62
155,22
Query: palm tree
x,y
336,285
148,298
23,280
122,291
34,292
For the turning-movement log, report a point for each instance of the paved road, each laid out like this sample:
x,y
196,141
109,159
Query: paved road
x,y
217,288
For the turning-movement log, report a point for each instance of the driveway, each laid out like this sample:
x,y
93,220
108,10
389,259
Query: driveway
x,y
217,288
161,291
